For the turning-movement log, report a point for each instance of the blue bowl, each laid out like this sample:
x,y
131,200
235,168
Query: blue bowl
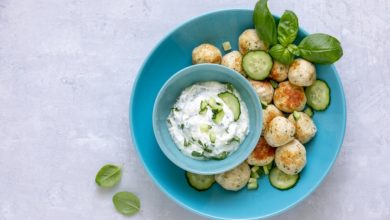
x,y
174,53
167,97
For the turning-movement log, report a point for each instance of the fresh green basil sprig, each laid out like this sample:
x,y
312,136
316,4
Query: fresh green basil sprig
x,y
264,23
287,28
317,48
287,33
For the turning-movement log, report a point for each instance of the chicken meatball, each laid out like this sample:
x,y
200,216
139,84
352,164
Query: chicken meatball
x,y
264,90
305,129
206,53
280,131
269,113
262,155
249,40
289,97
279,71
302,73
291,157
234,179
233,60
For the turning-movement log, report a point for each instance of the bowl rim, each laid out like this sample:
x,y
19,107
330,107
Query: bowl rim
x,y
226,71
186,206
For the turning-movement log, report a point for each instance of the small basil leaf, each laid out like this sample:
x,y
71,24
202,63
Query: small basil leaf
x,y
264,23
126,203
281,54
287,28
293,49
108,176
320,48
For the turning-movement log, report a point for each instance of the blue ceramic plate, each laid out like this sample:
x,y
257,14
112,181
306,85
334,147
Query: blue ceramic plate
x,y
174,53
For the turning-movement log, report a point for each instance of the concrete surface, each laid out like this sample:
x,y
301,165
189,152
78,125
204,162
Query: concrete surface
x,y
66,71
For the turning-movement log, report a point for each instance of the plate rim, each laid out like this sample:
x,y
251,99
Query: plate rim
x,y
187,207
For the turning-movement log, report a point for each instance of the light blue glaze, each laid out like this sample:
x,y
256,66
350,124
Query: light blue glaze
x,y
171,91
174,53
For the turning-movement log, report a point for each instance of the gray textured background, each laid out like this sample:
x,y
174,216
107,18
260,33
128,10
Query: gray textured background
x,y
66,71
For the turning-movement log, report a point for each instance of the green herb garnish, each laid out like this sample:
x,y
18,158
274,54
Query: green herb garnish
x,y
108,176
126,203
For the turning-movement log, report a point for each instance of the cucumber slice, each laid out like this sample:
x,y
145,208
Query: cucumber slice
x,y
212,137
257,64
200,182
218,116
282,181
204,128
252,184
309,112
318,95
296,115
232,102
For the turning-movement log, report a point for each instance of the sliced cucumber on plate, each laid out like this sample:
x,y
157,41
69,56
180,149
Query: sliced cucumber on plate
x,y
282,181
200,182
257,64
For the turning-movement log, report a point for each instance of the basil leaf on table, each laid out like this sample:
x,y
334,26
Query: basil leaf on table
x,y
281,54
126,203
287,28
320,48
264,23
108,176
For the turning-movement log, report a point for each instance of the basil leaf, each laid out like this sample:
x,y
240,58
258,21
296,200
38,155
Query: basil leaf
x,y
264,23
281,54
320,48
287,28
108,176
126,203
293,49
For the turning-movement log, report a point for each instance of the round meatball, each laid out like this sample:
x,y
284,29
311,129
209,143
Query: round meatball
x,y
264,90
233,60
305,129
262,155
280,131
206,53
291,157
269,113
249,40
234,179
302,73
289,97
279,71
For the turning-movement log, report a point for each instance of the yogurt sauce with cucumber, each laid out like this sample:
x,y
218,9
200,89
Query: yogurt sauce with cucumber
x,y
208,121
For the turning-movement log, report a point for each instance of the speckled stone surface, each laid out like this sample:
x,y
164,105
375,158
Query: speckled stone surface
x,y
66,71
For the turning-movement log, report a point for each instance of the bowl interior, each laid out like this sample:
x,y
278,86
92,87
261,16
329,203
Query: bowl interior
x,y
167,98
174,53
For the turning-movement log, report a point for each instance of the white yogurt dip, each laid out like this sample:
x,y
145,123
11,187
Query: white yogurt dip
x,y
203,125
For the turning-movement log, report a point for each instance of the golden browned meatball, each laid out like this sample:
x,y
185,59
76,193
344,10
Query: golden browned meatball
x,y
279,71
234,179
264,90
249,40
291,157
305,129
289,97
262,155
280,131
302,73
206,53
269,113
233,60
